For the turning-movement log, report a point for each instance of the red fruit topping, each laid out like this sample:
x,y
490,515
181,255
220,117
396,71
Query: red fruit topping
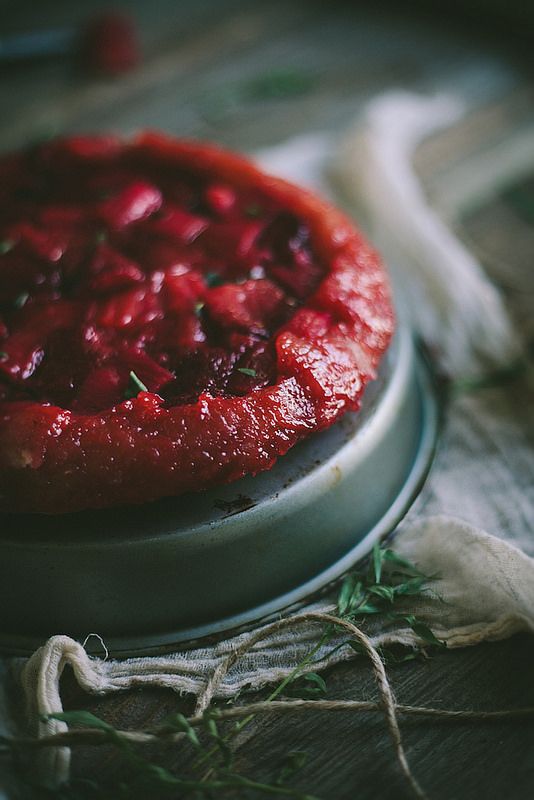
x,y
102,388
170,319
130,308
234,239
182,290
255,306
220,199
112,271
42,245
178,224
136,202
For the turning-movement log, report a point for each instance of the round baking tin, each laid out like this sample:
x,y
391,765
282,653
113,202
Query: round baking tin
x,y
153,576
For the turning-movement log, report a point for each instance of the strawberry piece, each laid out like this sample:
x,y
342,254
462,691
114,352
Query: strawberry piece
x,y
286,249
134,203
260,363
308,323
152,374
102,388
233,241
300,279
177,333
114,278
21,356
48,246
159,254
182,289
106,385
132,307
250,306
24,349
360,297
19,275
202,371
220,199
111,270
105,257
179,225
62,217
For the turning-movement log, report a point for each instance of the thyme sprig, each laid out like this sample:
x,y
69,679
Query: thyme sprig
x,y
491,380
135,385
5,246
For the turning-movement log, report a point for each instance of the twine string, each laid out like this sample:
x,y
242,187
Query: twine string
x,y
94,736
386,704
386,693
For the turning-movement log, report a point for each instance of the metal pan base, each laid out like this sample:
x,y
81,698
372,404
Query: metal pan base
x,y
149,578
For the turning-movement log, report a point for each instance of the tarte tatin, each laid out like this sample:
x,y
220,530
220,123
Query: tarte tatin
x,y
171,319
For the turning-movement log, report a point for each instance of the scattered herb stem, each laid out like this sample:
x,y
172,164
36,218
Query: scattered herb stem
x,y
5,246
499,377
135,386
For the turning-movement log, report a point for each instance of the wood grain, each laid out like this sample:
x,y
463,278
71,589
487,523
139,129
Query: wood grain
x,y
350,755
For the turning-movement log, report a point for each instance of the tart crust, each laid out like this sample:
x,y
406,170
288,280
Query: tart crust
x,y
57,458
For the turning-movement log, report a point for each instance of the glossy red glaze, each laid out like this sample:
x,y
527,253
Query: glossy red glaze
x,y
252,312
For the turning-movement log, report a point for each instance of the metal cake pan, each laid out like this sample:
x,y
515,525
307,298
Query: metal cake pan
x,y
156,575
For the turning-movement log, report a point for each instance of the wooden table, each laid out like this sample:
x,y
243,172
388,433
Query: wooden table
x,y
249,75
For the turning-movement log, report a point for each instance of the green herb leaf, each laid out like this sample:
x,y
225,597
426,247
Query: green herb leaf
x,y
135,386
5,246
83,719
246,371
377,561
394,558
357,647
413,586
253,211
367,608
426,634
279,84
422,630
499,377
177,722
345,594
213,279
385,592
520,197
21,300
293,762
309,686
220,741
389,656
43,135
3,355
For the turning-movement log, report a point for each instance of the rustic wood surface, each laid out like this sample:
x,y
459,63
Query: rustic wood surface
x,y
204,76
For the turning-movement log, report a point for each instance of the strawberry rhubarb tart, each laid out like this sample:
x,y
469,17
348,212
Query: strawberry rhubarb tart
x,y
171,319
